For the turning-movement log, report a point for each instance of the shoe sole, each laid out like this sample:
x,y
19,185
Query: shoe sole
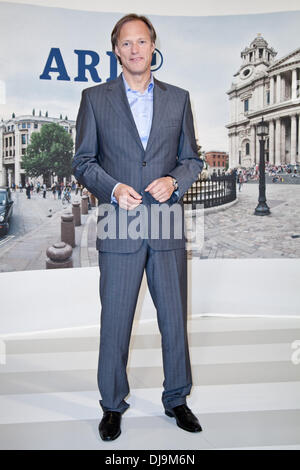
x,y
171,415
107,439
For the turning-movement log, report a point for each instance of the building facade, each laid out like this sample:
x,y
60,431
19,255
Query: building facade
x,y
268,88
216,160
15,134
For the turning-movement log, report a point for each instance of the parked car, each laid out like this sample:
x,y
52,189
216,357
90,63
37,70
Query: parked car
x,y
6,209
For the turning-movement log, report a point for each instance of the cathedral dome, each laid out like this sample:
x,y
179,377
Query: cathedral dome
x,y
259,41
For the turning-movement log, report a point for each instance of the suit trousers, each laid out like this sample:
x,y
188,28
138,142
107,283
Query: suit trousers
x,y
120,280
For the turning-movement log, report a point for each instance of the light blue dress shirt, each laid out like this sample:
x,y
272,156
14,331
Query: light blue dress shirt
x,y
141,105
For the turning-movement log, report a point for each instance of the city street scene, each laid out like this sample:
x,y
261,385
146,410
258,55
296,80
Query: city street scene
x,y
248,137
231,232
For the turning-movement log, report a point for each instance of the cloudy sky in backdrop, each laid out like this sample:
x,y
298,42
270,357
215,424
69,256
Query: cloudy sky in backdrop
x,y
201,54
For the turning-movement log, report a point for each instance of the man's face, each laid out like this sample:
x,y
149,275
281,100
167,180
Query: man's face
x,y
134,47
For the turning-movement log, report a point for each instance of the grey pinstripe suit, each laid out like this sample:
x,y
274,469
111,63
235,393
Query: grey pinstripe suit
x,y
109,150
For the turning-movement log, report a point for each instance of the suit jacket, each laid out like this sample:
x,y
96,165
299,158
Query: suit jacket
x,y
109,150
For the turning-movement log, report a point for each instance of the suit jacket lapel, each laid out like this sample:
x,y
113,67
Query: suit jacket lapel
x,y
118,99
159,109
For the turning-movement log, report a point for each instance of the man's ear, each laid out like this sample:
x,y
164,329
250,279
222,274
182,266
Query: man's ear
x,y
117,52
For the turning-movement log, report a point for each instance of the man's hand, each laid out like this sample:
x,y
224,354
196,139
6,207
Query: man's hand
x,y
161,188
127,197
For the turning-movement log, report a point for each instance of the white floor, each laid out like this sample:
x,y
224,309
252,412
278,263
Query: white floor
x,y
246,390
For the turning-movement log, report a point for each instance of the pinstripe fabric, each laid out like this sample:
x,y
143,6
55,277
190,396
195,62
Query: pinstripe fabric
x,y
120,280
109,150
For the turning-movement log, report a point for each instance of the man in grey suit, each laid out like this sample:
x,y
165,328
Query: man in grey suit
x,y
136,151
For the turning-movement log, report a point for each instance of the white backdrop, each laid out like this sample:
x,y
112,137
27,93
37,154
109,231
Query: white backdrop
x,y
67,298
174,7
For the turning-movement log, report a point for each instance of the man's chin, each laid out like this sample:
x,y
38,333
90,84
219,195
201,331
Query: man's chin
x,y
138,70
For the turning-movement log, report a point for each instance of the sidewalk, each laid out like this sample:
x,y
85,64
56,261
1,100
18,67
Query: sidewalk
x,y
28,252
232,233
238,233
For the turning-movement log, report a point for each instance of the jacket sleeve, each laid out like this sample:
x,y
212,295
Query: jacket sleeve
x,y
189,165
85,164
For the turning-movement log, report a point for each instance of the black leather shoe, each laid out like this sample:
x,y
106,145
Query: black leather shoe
x,y
185,419
110,425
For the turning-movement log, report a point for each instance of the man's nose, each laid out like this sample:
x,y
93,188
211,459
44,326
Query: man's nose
x,y
134,48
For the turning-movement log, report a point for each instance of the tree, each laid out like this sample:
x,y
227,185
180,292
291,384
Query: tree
x,y
49,151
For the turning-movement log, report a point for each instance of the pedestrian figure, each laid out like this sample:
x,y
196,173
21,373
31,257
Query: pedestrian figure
x,y
240,180
28,189
54,190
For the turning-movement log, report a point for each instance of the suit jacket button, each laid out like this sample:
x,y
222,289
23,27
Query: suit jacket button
x,y
144,163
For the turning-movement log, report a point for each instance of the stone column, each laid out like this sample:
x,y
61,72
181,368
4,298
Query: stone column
x,y
271,142
236,147
232,110
257,97
277,142
278,88
282,146
293,139
254,100
68,229
260,97
283,90
230,150
298,156
271,90
18,156
84,204
76,213
233,156
294,84
4,176
59,256
9,177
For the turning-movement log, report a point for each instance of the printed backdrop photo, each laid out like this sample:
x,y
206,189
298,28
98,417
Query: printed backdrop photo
x,y
49,55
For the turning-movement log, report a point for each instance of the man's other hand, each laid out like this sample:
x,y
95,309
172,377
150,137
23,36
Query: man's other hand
x,y
127,197
161,188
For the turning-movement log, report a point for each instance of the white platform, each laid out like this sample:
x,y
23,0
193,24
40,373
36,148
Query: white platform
x,y
66,298
245,394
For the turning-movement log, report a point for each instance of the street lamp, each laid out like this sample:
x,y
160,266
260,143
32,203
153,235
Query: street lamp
x,y
262,207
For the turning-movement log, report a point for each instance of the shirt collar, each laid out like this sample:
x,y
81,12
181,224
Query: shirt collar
x,y
127,87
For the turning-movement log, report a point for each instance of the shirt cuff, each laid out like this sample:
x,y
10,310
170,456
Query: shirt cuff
x,y
176,194
112,198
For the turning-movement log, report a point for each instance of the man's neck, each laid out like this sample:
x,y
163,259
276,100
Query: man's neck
x,y
138,82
